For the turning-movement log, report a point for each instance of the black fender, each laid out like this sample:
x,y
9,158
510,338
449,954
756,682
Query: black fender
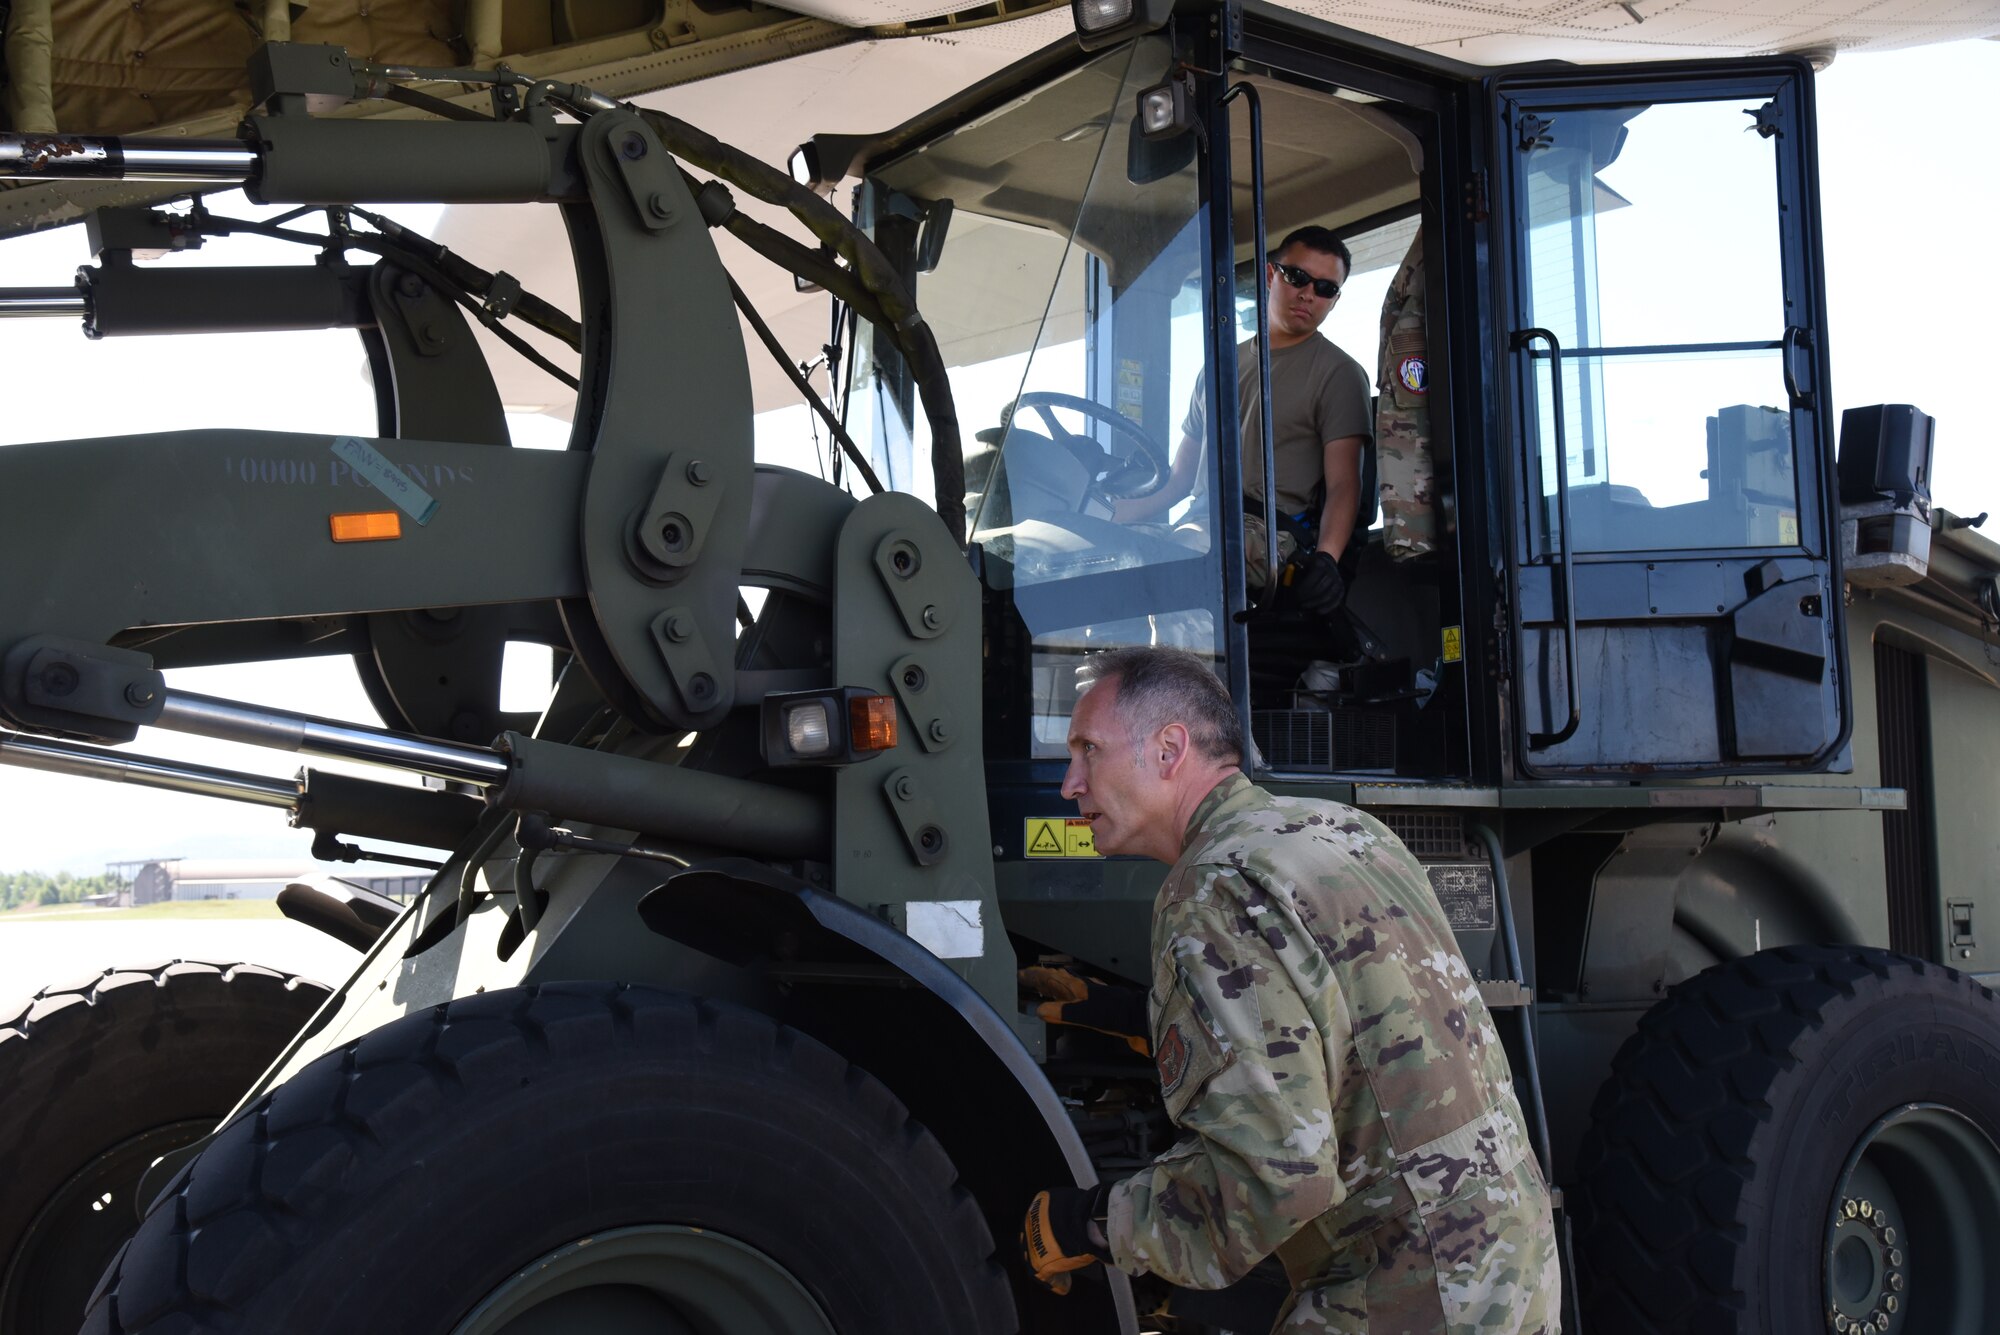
x,y
852,976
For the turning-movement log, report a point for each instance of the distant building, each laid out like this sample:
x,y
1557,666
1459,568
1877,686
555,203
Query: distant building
x,y
167,879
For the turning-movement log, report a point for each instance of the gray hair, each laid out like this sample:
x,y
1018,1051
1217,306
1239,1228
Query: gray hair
x,y
1158,685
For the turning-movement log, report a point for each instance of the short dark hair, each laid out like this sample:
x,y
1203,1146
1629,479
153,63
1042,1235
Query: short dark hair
x,y
1320,239
1158,685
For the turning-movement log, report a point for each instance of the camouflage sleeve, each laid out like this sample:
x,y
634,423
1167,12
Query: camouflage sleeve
x,y
1244,1075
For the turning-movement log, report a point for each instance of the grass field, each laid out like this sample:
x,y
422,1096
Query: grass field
x,y
198,910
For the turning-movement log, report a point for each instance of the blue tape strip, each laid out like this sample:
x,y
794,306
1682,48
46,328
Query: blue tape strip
x,y
368,463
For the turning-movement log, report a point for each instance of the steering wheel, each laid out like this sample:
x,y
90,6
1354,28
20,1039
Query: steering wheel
x,y
1140,470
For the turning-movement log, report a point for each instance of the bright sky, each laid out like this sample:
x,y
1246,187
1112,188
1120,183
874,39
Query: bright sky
x,y
1912,287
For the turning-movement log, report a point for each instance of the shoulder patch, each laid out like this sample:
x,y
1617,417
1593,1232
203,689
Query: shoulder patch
x,y
1414,375
1172,1060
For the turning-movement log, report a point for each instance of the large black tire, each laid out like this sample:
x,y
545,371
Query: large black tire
x,y
96,1081
471,1157
1755,1103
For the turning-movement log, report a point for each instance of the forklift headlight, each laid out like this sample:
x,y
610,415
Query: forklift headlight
x,y
806,729
834,727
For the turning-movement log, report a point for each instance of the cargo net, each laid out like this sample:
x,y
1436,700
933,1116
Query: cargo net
x,y
1325,739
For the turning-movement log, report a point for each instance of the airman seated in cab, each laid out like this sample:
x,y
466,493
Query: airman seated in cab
x,y
1320,429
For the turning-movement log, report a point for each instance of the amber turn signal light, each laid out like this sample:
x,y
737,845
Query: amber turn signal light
x,y
366,526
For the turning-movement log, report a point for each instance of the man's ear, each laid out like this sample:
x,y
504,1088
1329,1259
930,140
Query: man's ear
x,y
1173,749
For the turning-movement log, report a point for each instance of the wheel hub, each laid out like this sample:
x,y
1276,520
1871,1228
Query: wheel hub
x,y
1908,1246
1868,1269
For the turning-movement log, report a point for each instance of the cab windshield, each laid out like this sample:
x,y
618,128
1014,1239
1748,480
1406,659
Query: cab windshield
x,y
1058,260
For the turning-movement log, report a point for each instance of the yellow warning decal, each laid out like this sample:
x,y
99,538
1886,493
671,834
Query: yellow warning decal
x,y
1788,530
1056,837
1454,644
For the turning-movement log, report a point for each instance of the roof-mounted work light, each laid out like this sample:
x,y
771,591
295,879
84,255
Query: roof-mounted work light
x,y
1165,109
1102,23
835,727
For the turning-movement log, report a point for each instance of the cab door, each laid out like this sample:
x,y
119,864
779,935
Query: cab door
x,y
1675,598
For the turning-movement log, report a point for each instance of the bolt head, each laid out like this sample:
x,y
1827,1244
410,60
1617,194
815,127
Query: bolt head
x,y
632,147
60,678
698,471
1888,1234
677,629
939,732
905,789
932,618
1896,1280
1895,1256
138,693
656,204
1891,1303
1850,1208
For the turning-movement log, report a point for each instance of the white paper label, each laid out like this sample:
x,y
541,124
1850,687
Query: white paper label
x,y
949,928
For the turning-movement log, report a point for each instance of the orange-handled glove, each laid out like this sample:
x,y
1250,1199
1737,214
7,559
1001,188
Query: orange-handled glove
x,y
1090,1003
1055,1237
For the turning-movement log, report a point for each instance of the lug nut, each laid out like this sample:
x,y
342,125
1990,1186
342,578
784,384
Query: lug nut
x,y
1849,1208
1888,1235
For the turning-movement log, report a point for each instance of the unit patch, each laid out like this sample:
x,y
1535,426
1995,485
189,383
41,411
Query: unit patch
x,y
1172,1059
1414,375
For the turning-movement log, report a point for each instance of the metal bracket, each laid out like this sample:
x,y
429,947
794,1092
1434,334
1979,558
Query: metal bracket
x,y
83,689
915,814
921,597
911,682
645,167
678,634
666,537
1535,132
426,313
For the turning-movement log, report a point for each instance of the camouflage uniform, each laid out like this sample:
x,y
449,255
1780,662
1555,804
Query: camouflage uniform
x,y
1345,1099
1403,416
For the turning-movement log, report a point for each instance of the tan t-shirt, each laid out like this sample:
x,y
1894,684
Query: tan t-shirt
x,y
1322,395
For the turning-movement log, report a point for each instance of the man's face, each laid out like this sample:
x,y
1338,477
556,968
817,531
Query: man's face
x,y
1298,312
1111,779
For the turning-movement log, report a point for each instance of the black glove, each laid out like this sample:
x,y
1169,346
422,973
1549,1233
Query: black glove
x,y
1055,1236
1318,584
1090,1003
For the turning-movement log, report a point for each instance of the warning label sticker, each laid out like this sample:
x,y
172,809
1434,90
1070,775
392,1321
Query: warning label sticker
x,y
1454,644
1056,837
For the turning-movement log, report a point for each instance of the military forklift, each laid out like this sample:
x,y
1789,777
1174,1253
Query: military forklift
x,y
708,1019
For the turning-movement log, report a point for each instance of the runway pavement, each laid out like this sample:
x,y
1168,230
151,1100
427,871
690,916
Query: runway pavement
x,y
39,954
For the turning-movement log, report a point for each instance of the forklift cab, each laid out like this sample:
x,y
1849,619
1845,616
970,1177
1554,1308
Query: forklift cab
x,y
1631,484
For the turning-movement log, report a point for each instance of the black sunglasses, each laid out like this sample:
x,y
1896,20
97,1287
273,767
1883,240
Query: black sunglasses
x,y
1324,288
